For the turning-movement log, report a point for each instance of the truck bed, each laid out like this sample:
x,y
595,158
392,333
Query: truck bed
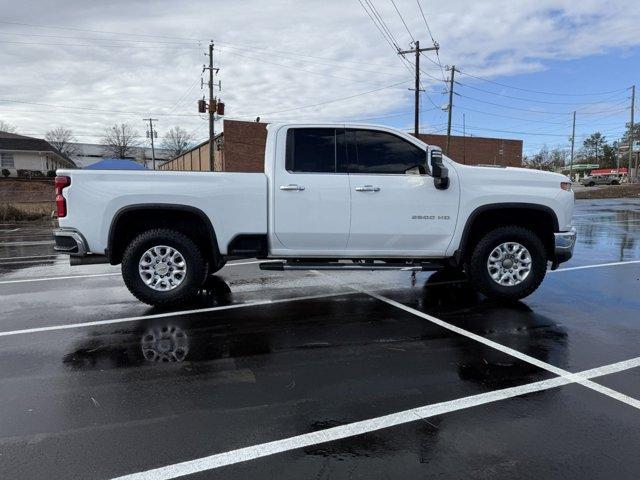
x,y
235,202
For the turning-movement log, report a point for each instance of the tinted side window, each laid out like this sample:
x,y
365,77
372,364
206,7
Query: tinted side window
x,y
381,152
311,150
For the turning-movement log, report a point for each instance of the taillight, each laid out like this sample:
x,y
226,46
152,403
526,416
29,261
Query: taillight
x,y
61,202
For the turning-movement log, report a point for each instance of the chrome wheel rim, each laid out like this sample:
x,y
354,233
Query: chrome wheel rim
x,y
509,264
167,344
162,268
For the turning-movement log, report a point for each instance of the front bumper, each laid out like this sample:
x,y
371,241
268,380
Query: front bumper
x,y
563,248
70,241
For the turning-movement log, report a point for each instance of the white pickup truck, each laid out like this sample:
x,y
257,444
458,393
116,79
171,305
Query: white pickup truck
x,y
331,197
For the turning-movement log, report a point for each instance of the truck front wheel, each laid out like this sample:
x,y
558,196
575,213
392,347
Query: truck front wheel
x,y
508,263
162,267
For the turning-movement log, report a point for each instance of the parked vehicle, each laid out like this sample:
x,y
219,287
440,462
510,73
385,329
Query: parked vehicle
x,y
592,180
331,197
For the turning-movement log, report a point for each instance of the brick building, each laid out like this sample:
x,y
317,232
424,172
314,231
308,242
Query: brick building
x,y
240,148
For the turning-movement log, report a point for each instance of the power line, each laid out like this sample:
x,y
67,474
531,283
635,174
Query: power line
x,y
56,27
296,68
377,72
532,111
383,23
484,79
534,99
329,101
69,37
49,44
424,18
95,110
403,22
379,27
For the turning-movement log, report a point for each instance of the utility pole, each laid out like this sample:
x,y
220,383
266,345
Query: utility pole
x,y
631,131
417,50
451,80
573,142
151,134
212,108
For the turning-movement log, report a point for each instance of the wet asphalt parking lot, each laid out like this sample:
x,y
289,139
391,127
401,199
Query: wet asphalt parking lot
x,y
333,375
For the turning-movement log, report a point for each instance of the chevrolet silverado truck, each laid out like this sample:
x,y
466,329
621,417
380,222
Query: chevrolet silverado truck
x,y
340,197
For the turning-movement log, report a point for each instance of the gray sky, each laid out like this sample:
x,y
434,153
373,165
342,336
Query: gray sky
x,y
274,56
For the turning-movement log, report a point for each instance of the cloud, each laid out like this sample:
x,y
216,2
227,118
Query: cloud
x,y
274,56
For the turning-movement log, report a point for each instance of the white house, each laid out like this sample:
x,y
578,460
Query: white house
x,y
28,156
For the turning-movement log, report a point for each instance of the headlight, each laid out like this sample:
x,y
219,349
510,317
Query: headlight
x,y
565,186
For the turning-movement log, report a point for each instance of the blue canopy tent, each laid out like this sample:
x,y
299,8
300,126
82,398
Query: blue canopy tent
x,y
116,164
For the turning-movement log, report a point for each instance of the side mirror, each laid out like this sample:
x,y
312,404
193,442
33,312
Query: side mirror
x,y
439,172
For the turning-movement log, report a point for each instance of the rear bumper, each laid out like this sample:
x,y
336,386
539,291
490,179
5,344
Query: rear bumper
x,y
564,243
71,242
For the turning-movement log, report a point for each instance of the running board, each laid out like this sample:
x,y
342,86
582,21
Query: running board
x,y
405,267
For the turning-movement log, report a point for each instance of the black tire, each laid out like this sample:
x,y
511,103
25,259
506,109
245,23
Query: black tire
x,y
591,184
615,182
479,273
196,267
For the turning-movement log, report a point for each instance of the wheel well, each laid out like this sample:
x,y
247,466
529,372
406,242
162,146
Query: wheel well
x,y
131,221
541,220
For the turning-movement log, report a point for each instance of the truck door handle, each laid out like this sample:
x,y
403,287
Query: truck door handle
x,y
368,188
291,188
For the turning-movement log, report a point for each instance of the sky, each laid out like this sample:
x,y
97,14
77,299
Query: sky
x,y
523,66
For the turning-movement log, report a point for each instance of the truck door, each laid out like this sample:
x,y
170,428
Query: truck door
x,y
395,207
311,198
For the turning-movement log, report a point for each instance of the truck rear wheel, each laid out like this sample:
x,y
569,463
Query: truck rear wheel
x,y
509,263
162,267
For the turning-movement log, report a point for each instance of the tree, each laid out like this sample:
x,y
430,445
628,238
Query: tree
x,y
543,160
177,141
7,127
609,157
559,157
594,145
63,139
120,141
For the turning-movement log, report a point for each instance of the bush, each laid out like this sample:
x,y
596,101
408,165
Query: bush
x,y
51,173
5,173
23,173
9,213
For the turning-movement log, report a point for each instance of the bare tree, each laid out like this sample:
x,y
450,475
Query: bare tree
x,y
543,160
7,127
120,141
177,141
63,139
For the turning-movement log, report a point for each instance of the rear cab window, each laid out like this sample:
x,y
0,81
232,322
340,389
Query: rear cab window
x,y
315,150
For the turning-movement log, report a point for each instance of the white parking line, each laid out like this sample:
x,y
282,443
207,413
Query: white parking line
x,y
172,314
598,265
371,425
510,351
68,277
